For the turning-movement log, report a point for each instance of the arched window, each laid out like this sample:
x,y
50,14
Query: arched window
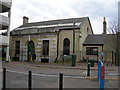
x,y
66,46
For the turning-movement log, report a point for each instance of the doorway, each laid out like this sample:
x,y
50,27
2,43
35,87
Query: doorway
x,y
31,51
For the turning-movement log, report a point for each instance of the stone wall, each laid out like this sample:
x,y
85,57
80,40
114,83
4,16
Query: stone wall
x,y
38,41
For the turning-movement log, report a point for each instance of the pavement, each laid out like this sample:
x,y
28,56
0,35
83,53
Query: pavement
x,y
81,66
111,72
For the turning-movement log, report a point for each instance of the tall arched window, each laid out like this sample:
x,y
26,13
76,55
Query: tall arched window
x,y
66,46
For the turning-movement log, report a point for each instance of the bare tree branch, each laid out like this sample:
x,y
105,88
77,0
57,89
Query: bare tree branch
x,y
114,29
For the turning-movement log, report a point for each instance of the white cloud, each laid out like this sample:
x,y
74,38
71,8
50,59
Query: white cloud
x,y
42,10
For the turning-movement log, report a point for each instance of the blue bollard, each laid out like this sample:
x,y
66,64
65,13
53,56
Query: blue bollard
x,y
102,77
101,74
99,66
102,81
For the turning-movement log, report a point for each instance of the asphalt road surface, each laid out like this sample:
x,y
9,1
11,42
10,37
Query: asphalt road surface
x,y
17,77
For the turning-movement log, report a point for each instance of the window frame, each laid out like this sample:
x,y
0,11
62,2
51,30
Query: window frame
x,y
17,47
45,47
66,46
91,50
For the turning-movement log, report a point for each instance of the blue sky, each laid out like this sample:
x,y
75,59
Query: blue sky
x,y
42,10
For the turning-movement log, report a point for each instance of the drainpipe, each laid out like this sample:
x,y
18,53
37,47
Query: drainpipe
x,y
57,45
73,37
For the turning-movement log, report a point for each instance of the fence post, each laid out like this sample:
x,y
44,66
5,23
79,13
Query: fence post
x,y
60,81
4,78
88,70
30,80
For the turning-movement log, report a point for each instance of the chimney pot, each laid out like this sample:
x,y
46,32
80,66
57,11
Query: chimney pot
x,y
104,26
104,18
25,20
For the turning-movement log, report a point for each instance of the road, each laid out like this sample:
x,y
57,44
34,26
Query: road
x,y
17,77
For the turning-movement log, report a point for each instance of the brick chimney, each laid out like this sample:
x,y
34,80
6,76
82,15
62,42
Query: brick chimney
x,y
25,20
104,26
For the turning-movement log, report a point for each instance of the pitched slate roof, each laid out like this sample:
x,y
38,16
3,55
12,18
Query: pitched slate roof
x,y
94,40
53,22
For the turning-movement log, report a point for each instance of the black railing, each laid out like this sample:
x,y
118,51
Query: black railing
x,y
29,80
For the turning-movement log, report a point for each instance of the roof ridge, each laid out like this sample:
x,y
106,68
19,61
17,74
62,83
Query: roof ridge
x,y
60,19
52,22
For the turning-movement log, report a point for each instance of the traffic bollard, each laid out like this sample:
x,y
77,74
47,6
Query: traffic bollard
x,y
102,77
99,66
60,81
4,78
88,70
30,80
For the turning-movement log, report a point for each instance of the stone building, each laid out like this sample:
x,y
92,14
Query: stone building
x,y
102,46
50,39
